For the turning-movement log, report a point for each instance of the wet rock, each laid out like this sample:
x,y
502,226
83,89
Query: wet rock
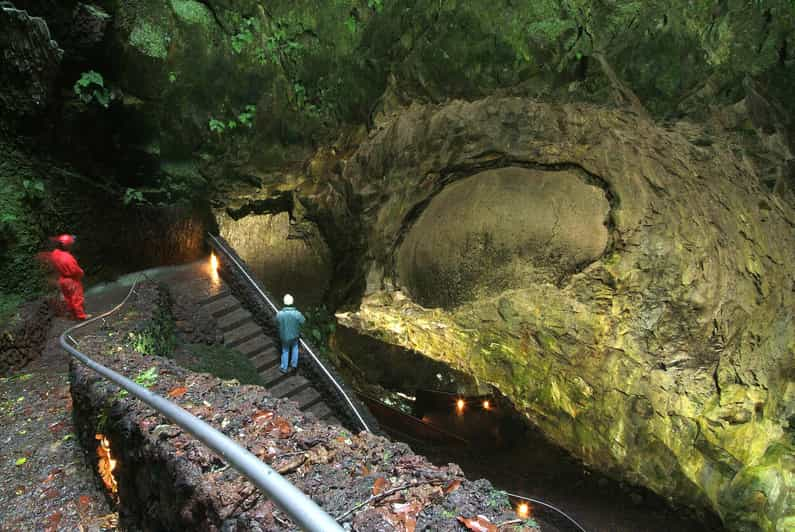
x,y
23,336
663,359
29,65
501,229
288,257
89,25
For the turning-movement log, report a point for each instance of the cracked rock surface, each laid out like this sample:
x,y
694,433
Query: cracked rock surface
x,y
667,360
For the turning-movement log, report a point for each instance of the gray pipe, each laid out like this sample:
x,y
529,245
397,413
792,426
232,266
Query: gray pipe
x,y
307,514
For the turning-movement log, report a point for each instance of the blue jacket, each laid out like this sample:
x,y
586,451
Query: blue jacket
x,y
289,320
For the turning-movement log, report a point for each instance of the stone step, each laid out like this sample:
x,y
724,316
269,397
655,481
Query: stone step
x,y
272,376
215,297
255,345
320,410
233,320
264,361
201,289
242,334
290,386
222,306
306,398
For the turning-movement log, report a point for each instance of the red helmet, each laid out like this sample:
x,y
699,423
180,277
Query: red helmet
x,y
65,240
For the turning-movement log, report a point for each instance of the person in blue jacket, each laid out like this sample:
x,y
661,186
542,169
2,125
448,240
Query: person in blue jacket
x,y
289,320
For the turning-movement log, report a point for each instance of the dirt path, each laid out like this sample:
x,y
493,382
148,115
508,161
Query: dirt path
x,y
47,483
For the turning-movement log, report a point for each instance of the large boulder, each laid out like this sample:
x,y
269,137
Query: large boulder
x,y
502,228
649,330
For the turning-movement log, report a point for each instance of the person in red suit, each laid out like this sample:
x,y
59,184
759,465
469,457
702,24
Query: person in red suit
x,y
69,274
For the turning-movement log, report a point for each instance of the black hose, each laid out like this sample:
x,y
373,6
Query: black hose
x,y
550,506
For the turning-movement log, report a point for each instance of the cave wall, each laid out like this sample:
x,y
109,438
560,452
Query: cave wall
x,y
668,360
287,257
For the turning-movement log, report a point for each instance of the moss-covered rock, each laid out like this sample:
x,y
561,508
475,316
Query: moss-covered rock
x,y
667,359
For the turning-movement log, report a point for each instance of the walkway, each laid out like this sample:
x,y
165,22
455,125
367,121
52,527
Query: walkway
x,y
47,481
52,486
203,287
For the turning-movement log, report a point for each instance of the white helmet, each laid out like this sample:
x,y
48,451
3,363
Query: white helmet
x,y
288,299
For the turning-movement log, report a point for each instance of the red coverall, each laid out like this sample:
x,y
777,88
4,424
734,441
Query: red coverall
x,y
70,274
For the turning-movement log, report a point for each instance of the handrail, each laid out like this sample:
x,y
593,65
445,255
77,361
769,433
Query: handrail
x,y
293,501
308,350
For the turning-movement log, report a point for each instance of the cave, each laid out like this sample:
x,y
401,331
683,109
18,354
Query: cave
x,y
581,211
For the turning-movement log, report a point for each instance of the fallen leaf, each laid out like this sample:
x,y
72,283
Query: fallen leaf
x,y
378,485
52,521
478,524
51,493
454,485
291,465
21,461
84,501
51,476
407,513
262,415
365,470
285,429
179,391
20,490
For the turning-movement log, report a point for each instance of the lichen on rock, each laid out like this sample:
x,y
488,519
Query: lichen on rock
x,y
664,357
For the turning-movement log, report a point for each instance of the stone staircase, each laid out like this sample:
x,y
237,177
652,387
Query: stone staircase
x,y
246,336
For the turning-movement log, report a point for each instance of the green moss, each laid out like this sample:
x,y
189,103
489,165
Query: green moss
x,y
149,39
222,362
8,306
20,231
191,11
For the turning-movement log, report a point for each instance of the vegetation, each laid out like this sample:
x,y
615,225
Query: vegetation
x,y
91,87
220,361
158,335
320,325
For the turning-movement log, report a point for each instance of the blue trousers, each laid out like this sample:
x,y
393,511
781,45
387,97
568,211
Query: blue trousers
x,y
286,349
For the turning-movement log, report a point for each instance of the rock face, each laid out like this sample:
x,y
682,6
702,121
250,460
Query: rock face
x,y
649,330
23,336
502,228
287,260
29,63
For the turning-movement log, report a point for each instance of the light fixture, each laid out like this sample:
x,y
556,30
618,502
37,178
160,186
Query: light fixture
x,y
213,262
106,464
523,510
486,405
460,404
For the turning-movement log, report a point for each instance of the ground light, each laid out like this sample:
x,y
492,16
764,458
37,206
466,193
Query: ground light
x,y
459,406
486,405
523,510
106,464
214,268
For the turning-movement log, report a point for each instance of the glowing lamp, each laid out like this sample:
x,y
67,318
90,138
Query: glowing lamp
x,y
523,510
213,262
460,404
486,404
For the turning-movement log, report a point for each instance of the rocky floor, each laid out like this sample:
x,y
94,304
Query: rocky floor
x,y
47,481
